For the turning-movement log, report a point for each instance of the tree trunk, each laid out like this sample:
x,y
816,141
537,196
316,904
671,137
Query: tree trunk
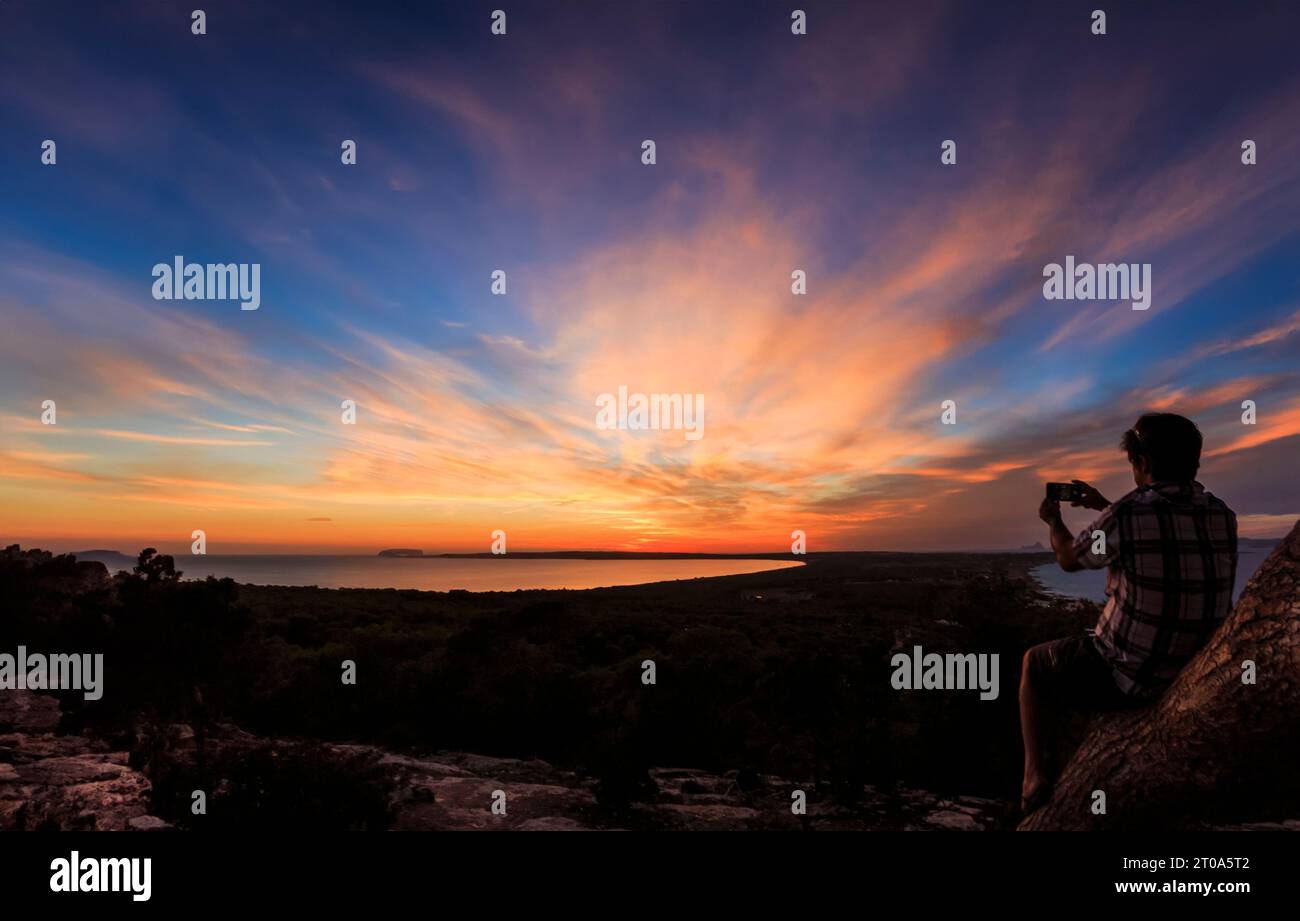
x,y
1213,749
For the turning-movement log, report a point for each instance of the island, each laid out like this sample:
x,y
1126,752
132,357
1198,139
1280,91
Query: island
x,y
401,552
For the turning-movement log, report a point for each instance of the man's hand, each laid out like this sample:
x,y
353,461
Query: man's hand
x,y
1090,497
1050,510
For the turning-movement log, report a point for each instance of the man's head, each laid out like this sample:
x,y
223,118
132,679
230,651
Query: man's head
x,y
1163,447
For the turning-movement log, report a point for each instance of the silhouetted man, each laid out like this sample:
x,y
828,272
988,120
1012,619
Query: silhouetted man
x,y
1171,551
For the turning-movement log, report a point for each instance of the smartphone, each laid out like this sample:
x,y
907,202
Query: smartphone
x,y
1064,492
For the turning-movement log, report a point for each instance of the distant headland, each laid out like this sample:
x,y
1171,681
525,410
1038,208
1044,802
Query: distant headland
x,y
586,555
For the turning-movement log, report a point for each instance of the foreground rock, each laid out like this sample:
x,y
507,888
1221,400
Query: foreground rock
x,y
61,782
456,790
452,791
72,782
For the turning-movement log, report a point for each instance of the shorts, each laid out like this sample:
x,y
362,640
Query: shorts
x,y
1071,673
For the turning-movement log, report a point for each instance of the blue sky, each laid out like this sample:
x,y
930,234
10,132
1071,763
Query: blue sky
x,y
522,152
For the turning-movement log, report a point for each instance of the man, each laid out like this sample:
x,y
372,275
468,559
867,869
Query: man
x,y
1171,552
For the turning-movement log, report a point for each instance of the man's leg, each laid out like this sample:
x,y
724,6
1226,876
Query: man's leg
x,y
1056,679
1033,730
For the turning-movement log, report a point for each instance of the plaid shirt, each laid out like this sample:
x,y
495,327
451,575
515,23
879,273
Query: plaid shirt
x,y
1172,554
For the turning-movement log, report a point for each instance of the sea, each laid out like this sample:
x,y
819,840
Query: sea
x,y
438,574
1091,583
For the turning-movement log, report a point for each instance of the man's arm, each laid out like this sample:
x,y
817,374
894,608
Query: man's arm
x,y
1071,553
1062,539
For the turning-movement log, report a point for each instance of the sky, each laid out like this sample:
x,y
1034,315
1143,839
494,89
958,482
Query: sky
x,y
522,152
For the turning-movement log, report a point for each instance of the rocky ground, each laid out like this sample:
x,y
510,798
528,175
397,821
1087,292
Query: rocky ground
x,y
58,781
453,791
50,781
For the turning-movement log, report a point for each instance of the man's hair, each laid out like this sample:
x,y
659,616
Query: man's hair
x,y
1171,444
